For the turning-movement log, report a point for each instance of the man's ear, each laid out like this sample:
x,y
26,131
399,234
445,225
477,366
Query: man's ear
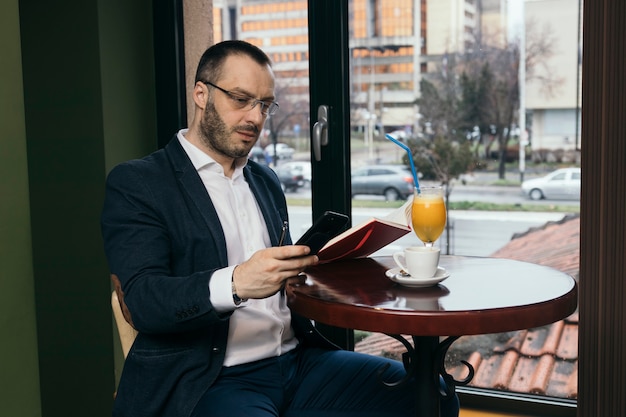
x,y
200,94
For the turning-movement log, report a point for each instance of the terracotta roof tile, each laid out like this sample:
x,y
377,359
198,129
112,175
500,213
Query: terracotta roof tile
x,y
514,342
542,341
556,244
568,345
531,374
564,380
543,360
502,377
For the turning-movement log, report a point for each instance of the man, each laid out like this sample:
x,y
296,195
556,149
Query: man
x,y
191,233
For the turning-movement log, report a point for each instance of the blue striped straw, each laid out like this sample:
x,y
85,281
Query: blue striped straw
x,y
408,151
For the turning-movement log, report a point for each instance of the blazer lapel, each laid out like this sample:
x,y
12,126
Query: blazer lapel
x,y
192,184
272,213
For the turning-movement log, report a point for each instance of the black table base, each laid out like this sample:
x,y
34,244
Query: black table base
x,y
424,362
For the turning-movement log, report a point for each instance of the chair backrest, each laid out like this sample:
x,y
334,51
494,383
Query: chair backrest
x,y
126,331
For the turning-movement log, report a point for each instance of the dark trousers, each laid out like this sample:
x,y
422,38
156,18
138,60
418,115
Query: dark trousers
x,y
313,383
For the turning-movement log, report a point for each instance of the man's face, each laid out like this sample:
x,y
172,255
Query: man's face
x,y
224,128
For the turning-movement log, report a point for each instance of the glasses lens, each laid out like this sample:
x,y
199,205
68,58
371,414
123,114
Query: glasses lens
x,y
267,109
272,108
240,101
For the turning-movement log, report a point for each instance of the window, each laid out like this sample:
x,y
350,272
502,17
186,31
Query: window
x,y
385,81
434,48
384,91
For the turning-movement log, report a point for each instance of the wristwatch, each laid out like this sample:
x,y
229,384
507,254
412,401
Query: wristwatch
x,y
236,299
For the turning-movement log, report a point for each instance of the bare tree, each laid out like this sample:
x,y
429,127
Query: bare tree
x,y
540,46
501,101
439,101
480,88
294,110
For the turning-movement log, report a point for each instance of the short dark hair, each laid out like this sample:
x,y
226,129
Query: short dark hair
x,y
210,65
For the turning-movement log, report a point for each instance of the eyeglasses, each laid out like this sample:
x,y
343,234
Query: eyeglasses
x,y
241,101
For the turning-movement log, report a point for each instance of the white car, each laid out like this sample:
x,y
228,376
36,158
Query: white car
x,y
563,183
300,167
283,151
400,134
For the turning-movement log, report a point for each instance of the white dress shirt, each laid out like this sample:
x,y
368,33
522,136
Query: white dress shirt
x,y
259,328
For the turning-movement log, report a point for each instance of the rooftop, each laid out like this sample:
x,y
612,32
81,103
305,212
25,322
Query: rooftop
x,y
542,360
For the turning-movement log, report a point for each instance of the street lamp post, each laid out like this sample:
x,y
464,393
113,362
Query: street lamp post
x,y
523,137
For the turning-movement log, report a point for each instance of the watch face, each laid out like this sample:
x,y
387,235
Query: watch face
x,y
236,299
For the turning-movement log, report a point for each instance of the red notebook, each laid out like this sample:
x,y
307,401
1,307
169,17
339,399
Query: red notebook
x,y
368,237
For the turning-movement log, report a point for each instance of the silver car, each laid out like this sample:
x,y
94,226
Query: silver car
x,y
395,182
282,151
300,167
563,184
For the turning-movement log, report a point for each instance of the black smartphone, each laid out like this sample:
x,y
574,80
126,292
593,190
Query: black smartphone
x,y
329,225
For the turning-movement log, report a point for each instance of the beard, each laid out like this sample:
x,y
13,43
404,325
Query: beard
x,y
216,135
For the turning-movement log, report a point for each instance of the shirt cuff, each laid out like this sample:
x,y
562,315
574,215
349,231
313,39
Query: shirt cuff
x,y
220,288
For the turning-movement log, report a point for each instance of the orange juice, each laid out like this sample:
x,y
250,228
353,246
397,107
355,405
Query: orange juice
x,y
428,216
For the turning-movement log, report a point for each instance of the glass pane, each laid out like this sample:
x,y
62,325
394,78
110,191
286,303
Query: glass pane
x,y
407,63
280,28
419,73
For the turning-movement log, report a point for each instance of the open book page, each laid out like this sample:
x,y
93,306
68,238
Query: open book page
x,y
368,237
401,215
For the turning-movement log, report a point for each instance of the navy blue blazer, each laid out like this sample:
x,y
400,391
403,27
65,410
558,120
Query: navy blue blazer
x,y
163,240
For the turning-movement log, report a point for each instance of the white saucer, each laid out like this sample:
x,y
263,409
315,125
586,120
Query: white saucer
x,y
394,275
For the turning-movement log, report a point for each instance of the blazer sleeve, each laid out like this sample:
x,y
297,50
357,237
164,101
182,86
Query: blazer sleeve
x,y
161,250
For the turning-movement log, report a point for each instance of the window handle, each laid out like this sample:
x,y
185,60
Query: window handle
x,y
320,131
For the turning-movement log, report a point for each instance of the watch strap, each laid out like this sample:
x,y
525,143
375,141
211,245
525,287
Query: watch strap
x,y
236,299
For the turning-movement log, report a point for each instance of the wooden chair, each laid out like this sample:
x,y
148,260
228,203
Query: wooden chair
x,y
122,317
126,331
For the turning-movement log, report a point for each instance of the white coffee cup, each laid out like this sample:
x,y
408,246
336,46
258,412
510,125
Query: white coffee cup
x,y
419,261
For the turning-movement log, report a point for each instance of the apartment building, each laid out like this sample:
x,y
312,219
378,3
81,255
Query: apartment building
x,y
556,115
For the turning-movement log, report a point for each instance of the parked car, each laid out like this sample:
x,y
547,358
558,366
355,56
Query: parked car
x,y
289,180
563,183
300,167
283,151
400,135
258,155
395,182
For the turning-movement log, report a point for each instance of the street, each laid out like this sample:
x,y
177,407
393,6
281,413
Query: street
x,y
470,192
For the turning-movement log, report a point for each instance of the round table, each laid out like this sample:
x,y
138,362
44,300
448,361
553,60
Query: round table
x,y
481,296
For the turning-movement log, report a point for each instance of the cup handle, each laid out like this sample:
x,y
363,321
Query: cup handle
x,y
396,257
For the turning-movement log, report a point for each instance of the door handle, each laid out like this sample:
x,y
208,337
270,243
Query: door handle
x,y
320,131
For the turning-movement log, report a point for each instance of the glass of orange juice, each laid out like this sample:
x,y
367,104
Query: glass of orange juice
x,y
428,214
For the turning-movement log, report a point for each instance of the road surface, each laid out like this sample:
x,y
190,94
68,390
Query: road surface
x,y
473,233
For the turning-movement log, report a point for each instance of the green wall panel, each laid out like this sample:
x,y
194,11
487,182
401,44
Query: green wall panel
x,y
88,103
19,374
64,129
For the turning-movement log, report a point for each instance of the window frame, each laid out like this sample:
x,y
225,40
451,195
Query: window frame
x,y
329,77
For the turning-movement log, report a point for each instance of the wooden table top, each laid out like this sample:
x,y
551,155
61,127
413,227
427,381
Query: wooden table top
x,y
481,296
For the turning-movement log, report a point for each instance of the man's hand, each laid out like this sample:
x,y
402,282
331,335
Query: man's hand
x,y
265,272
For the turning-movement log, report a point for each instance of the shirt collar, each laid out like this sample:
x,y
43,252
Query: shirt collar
x,y
202,161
